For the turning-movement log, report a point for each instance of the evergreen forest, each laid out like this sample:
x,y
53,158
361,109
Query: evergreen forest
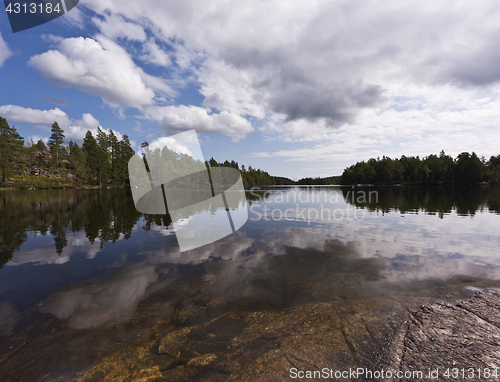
x,y
102,161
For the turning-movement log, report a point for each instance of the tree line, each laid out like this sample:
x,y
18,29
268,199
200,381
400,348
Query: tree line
x,y
251,176
434,169
255,177
318,181
101,160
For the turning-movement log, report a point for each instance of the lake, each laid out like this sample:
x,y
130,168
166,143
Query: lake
x,y
92,290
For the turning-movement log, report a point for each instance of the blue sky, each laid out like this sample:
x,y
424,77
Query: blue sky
x,y
297,89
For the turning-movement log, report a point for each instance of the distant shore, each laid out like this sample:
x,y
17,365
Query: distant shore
x,y
53,183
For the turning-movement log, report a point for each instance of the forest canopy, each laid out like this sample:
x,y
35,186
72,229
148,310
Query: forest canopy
x,y
102,160
433,169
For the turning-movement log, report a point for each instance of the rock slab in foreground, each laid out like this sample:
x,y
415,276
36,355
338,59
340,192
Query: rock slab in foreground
x,y
444,336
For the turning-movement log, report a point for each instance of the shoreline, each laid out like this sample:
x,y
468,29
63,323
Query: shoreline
x,y
68,186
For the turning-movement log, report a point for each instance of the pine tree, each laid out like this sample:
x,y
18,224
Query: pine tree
x,y
55,141
113,154
11,147
91,154
40,146
103,157
125,153
75,157
212,162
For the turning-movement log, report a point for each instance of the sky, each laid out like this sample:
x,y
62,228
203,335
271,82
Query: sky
x,y
295,88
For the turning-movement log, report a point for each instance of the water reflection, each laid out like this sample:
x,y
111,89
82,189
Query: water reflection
x,y
71,218
97,215
91,286
229,248
462,199
113,299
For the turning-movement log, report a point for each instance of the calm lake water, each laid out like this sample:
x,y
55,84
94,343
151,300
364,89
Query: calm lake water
x,y
90,289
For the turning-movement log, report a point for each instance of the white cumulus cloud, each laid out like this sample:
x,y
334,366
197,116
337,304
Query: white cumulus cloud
x,y
19,114
5,52
115,26
99,67
171,143
153,54
320,66
176,119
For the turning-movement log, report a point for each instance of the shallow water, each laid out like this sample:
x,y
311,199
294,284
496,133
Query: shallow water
x,y
90,289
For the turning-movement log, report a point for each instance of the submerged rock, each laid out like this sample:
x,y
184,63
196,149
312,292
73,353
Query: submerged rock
x,y
202,360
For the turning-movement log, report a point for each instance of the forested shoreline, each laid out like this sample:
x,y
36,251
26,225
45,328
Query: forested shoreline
x,y
102,161
434,169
